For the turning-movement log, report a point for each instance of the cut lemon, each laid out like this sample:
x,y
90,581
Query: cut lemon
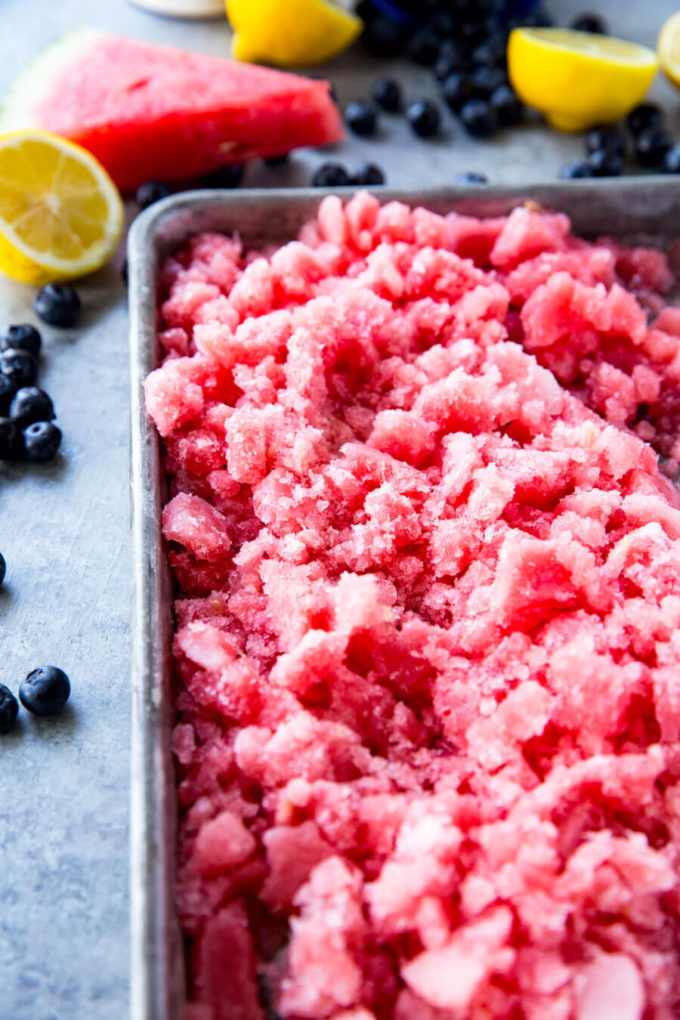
x,y
578,79
60,213
668,48
291,33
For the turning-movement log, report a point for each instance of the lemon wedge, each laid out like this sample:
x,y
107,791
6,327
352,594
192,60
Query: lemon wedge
x,y
60,213
578,79
291,33
668,48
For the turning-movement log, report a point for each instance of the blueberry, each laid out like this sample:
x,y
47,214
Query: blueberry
x,y
490,53
383,38
22,337
386,93
456,91
7,391
605,137
506,106
57,304
671,161
471,177
644,117
369,173
9,708
485,80
478,118
330,175
224,177
449,61
606,163
361,118
577,169
45,690
41,441
538,18
150,192
651,146
589,22
424,118
424,47
11,445
3,568
20,367
31,404
275,161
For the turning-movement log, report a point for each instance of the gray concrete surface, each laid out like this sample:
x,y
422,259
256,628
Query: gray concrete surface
x,y
64,533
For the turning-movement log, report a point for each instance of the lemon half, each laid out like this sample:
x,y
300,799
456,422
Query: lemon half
x,y
578,79
668,48
60,213
290,33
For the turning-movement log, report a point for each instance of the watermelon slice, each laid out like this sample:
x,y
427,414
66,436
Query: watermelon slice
x,y
151,112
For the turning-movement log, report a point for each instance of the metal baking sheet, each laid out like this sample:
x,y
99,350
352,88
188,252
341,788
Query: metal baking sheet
x,y
641,209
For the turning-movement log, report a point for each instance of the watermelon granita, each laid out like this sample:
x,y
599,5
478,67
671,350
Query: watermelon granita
x,y
428,641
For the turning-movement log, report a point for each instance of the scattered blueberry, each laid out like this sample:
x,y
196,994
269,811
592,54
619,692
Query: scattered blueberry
x,y
31,404
3,568
383,38
671,161
424,47
277,160
330,175
424,118
361,118
150,192
575,170
20,367
644,117
605,137
490,53
22,337
471,177
651,146
589,22
369,173
41,441
11,446
478,118
485,80
224,177
386,93
456,91
449,62
9,709
45,690
7,391
57,304
606,163
506,106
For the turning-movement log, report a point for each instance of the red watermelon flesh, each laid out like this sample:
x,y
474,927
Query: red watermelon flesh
x,y
159,112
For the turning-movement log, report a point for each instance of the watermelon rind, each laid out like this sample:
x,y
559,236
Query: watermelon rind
x,y
36,81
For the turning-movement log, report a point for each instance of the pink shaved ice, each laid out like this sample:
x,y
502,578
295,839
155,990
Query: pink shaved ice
x,y
428,635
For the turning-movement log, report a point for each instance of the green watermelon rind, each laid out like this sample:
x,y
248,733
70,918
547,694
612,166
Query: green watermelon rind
x,y
36,81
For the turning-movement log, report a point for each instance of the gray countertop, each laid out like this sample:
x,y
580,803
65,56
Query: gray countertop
x,y
64,534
